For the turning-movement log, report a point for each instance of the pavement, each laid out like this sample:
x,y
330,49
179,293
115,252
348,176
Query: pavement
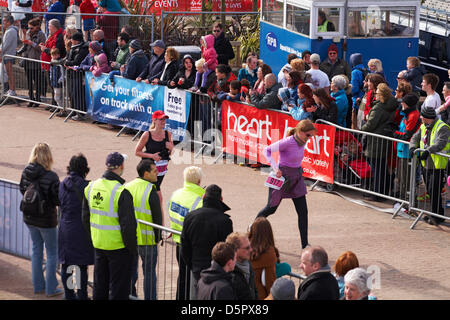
x,y
406,264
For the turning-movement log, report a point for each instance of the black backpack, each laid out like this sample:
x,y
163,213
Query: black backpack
x,y
32,203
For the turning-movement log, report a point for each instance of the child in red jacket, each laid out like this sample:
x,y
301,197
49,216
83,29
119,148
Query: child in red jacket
x,y
88,21
209,54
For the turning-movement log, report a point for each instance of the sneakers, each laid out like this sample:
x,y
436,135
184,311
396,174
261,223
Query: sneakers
x,y
424,197
77,117
58,292
62,114
11,93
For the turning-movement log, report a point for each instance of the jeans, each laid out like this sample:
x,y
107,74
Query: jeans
x,y
149,257
49,238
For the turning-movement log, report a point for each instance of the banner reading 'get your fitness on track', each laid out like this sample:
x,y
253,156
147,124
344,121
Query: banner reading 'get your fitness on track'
x,y
247,130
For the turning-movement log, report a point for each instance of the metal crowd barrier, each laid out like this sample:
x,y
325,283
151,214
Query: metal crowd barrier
x,y
368,163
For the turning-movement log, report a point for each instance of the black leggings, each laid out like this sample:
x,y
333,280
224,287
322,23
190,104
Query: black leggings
x,y
302,214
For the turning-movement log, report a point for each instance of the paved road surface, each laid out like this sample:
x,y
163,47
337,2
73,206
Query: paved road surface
x,y
412,263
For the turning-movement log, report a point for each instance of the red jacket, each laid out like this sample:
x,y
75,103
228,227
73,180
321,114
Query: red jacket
x,y
56,40
87,7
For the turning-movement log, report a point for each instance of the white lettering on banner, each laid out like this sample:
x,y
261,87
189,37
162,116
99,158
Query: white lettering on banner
x,y
290,50
315,141
253,128
166,4
175,104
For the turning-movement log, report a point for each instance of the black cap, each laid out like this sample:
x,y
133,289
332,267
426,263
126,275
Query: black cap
x,y
410,99
428,113
77,37
115,160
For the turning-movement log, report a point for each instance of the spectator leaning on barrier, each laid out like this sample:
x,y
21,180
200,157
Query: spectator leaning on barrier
x,y
9,47
249,69
433,136
243,275
57,75
409,125
269,99
325,107
122,52
156,63
333,65
215,283
95,48
170,67
320,284
136,62
223,78
202,229
74,245
108,216
43,226
185,77
31,50
146,208
223,47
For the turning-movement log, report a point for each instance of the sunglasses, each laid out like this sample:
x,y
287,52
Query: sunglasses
x,y
216,31
332,53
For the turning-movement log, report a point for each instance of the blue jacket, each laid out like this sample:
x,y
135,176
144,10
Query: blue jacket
x,y
342,105
135,64
357,77
110,5
409,125
74,244
54,8
244,74
298,113
154,67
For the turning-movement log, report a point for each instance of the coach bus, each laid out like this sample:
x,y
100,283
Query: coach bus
x,y
386,30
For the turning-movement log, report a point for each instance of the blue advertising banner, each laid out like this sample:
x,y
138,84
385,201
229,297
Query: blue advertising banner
x,y
131,104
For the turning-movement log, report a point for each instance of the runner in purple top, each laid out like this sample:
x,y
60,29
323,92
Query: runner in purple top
x,y
291,151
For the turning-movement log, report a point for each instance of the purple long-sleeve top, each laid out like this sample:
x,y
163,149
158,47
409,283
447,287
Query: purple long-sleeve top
x,y
291,153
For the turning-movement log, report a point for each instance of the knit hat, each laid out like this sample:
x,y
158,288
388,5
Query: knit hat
x,y
428,113
96,46
115,160
213,191
135,44
410,99
283,289
333,47
77,37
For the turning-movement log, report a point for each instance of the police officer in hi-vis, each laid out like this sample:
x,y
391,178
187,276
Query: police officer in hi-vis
x,y
181,203
108,216
147,207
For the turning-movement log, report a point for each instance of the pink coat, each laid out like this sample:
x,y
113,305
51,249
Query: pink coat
x,y
102,66
209,53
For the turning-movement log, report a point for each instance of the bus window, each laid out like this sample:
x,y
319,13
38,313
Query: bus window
x,y
298,19
381,22
328,19
438,49
272,11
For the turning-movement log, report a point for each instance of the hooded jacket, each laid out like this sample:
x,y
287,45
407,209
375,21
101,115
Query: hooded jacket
x,y
102,66
215,284
48,184
357,77
189,81
74,244
209,53
202,229
137,62
223,48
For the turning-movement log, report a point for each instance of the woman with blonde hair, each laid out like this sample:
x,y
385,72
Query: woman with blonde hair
x,y
42,223
376,66
291,150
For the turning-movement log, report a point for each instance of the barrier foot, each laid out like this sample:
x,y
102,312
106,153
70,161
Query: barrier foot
x,y
121,130
136,135
417,220
314,185
70,114
219,156
200,151
53,114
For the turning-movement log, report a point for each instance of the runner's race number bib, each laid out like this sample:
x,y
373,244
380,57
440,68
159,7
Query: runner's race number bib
x,y
274,182
161,166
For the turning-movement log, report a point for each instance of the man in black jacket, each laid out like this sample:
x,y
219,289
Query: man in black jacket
x,y
114,251
243,275
202,229
222,45
320,284
216,282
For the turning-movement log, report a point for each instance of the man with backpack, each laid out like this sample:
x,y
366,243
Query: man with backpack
x,y
358,75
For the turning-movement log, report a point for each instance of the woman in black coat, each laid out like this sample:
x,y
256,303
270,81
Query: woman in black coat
x,y
326,107
185,77
74,245
170,67
42,225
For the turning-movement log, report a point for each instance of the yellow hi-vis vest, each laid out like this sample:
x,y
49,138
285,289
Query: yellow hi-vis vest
x,y
140,190
440,162
103,198
323,27
182,202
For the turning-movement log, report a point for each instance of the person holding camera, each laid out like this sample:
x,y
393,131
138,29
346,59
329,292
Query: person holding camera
x,y
158,145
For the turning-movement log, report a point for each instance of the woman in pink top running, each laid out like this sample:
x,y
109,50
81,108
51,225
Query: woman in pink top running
x,y
291,151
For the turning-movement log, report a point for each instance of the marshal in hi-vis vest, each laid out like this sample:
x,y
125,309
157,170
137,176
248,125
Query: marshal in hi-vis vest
x,y
183,201
103,198
440,162
140,189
